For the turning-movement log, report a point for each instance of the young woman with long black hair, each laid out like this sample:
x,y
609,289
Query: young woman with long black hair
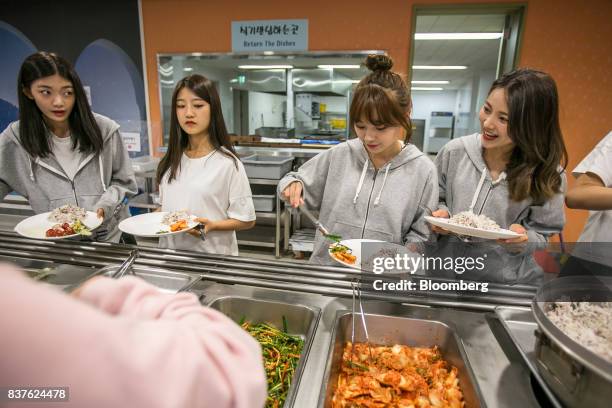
x,y
60,152
200,172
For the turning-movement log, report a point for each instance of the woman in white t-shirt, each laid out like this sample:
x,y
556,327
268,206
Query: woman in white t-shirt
x,y
200,172
593,191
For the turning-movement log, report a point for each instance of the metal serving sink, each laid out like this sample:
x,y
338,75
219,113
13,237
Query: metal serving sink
x,y
167,281
391,330
301,321
50,272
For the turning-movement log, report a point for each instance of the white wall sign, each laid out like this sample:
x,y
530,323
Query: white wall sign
x,y
131,140
270,35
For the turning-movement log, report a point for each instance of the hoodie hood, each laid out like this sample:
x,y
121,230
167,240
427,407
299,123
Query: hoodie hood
x,y
101,181
107,127
466,184
473,148
355,200
408,153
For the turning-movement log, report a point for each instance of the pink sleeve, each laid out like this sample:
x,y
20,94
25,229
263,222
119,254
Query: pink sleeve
x,y
135,347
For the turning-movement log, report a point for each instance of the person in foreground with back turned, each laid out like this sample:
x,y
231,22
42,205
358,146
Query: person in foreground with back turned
x,y
123,343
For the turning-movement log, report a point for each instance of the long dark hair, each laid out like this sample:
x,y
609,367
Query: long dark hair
x,y
382,97
179,139
533,126
84,130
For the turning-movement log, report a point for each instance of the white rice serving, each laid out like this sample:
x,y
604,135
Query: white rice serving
x,y
469,219
587,323
67,213
175,216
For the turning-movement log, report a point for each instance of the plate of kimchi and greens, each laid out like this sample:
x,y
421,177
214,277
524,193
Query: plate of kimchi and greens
x,y
159,224
67,221
473,225
348,252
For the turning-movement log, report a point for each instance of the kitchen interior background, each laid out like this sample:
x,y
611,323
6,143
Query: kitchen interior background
x,y
130,53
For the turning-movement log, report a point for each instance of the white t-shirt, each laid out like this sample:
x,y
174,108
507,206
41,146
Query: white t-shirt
x,y
598,227
68,158
215,187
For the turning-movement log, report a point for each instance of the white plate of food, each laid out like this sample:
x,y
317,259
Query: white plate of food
x,y
158,224
67,221
348,252
473,225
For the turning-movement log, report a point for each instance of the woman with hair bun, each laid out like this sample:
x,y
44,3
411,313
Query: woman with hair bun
x,y
377,185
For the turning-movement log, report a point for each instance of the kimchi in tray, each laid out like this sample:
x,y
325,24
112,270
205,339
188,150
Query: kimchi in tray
x,y
414,363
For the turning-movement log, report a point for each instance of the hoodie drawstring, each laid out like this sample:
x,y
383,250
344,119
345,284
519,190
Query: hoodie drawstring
x,y
477,192
383,184
101,172
501,177
363,174
31,168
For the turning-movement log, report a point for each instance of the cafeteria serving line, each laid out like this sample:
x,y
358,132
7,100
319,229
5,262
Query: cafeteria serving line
x,y
485,334
328,207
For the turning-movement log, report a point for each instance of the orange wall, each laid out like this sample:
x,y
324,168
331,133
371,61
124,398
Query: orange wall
x,y
569,39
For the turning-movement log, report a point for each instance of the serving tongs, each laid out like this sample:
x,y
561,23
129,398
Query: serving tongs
x,y
356,289
202,230
318,225
126,266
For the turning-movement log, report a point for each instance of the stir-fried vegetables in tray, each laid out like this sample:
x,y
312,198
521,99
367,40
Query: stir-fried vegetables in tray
x,y
281,352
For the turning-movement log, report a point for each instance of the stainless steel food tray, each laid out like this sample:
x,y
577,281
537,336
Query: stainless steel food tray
x,y
301,321
264,202
165,280
521,327
267,167
58,274
391,330
578,376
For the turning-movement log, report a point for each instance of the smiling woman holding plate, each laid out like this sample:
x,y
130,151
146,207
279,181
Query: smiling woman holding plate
x,y
512,170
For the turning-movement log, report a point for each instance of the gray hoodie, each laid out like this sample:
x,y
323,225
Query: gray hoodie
x,y
101,181
464,182
357,201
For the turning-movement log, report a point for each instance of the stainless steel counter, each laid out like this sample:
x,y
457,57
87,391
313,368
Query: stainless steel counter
x,y
298,152
503,380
